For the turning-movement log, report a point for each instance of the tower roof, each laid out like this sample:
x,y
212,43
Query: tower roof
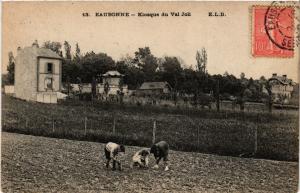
x,y
112,73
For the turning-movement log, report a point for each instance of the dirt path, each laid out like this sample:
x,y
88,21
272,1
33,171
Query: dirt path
x,y
39,164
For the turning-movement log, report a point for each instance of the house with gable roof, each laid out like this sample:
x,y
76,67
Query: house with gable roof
x,y
38,74
281,86
155,88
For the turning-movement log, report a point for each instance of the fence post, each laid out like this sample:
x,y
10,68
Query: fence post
x,y
218,95
255,139
26,125
91,125
85,121
198,137
153,132
53,125
114,125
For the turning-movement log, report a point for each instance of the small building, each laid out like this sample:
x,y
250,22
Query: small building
x,y
114,80
37,74
282,87
155,88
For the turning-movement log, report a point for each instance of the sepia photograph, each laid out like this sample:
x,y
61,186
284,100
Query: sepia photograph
x,y
149,96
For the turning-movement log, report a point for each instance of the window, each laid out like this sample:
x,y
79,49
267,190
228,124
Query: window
x,y
49,68
48,83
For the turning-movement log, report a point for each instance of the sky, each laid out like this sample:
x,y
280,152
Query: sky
x,y
227,39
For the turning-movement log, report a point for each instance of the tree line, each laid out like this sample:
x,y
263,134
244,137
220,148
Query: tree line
x,y
144,66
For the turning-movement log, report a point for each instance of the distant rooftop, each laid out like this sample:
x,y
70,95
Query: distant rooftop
x,y
154,85
282,79
112,73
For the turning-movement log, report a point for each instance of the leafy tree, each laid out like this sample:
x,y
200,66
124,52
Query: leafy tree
x,y
106,88
241,94
120,91
242,76
262,78
92,65
128,61
201,58
4,80
68,84
134,76
54,46
189,84
217,96
94,87
77,52
171,71
11,68
67,47
226,74
268,87
122,67
146,62
70,70
247,93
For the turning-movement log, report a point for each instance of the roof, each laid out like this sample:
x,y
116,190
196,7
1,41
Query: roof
x,y
112,73
282,80
154,85
42,52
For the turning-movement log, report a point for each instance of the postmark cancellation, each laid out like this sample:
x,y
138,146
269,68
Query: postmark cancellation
x,y
273,31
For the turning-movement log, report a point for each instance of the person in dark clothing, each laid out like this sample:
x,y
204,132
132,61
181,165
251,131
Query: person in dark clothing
x,y
112,152
160,150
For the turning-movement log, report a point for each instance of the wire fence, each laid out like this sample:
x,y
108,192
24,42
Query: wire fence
x,y
225,133
223,137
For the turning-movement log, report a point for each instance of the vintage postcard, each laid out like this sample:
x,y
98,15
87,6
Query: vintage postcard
x,y
150,96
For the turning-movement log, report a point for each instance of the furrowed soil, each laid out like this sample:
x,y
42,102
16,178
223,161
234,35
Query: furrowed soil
x,y
40,164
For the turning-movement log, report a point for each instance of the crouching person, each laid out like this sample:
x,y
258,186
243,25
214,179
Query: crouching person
x,y
141,158
114,152
160,150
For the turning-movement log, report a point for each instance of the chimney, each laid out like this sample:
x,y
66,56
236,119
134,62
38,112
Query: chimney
x,y
274,74
19,50
35,44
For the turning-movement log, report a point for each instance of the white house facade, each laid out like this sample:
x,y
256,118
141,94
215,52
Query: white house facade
x,y
37,74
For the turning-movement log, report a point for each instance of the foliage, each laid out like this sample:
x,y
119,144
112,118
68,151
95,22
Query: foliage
x,y
106,88
94,65
70,70
171,71
67,47
147,62
77,52
133,76
201,58
11,68
54,46
144,66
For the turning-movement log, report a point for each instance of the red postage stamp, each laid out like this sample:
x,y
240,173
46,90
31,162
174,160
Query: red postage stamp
x,y
273,31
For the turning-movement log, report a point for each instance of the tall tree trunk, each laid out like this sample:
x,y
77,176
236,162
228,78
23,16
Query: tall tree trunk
x,y
270,103
218,95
